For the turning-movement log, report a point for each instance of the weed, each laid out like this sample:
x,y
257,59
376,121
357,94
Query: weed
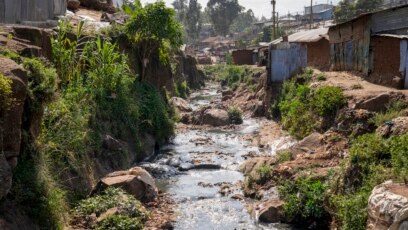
x,y
399,148
182,89
5,92
265,173
235,115
321,77
283,156
394,110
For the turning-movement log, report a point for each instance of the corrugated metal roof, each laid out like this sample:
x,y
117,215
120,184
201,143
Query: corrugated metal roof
x,y
403,37
305,36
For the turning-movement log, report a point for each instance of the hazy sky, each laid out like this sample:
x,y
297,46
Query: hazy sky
x,y
264,7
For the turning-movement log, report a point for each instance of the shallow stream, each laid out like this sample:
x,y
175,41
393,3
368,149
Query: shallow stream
x,y
217,153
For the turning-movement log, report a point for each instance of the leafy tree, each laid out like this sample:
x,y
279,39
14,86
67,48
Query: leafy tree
x,y
223,13
180,6
153,27
364,6
243,21
193,20
348,9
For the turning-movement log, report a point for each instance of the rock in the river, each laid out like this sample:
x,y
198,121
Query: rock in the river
x,y
180,104
388,207
271,211
5,176
111,143
215,117
397,126
185,166
135,181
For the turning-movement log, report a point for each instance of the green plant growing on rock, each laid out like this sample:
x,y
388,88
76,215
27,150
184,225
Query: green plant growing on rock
x,y
182,89
130,212
283,156
265,172
235,115
5,92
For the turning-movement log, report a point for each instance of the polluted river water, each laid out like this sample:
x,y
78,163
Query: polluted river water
x,y
199,169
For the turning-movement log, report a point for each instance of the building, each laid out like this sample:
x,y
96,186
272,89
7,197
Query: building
x,y
290,55
374,44
31,11
245,57
321,12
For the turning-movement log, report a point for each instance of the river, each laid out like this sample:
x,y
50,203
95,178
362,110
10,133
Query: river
x,y
218,152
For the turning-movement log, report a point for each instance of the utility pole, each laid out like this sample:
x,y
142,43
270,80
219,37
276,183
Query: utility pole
x,y
273,2
311,13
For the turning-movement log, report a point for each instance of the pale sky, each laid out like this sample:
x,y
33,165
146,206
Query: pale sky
x,y
264,7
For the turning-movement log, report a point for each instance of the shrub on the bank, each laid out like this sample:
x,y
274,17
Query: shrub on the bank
x,y
265,172
304,200
301,107
399,156
321,77
235,115
120,222
328,99
283,156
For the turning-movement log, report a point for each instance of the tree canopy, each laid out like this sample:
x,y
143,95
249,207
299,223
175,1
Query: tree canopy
x,y
243,21
153,27
348,9
223,13
193,20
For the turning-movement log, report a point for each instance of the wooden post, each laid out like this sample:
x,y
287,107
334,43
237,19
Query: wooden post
x,y
311,14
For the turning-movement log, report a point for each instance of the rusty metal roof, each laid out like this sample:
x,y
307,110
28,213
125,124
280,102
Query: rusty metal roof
x,y
403,37
306,36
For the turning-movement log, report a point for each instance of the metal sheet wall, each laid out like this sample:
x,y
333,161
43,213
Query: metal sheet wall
x,y
350,46
390,20
286,59
17,11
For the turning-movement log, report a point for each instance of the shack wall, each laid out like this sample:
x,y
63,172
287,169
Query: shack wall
x,y
19,11
243,57
286,59
386,62
318,54
390,20
350,45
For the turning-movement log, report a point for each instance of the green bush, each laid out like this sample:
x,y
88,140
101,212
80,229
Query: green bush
x,y
131,213
394,110
369,149
351,210
111,197
235,115
304,200
42,81
399,156
265,173
328,99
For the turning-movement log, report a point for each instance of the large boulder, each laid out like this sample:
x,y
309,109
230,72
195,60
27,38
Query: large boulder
x,y
136,181
388,207
271,211
12,122
5,176
215,117
397,126
181,104
378,103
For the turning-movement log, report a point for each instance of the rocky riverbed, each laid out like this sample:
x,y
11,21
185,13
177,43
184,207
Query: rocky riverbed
x,y
199,169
